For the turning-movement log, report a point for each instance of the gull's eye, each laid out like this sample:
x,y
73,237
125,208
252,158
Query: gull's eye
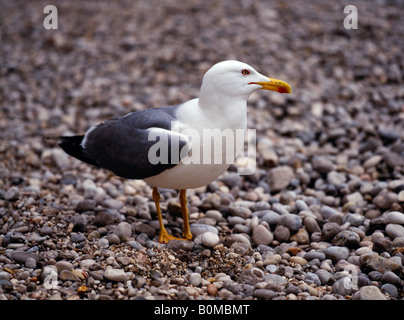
x,y
245,72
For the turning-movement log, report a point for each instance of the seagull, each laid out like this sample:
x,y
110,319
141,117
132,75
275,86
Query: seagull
x,y
161,145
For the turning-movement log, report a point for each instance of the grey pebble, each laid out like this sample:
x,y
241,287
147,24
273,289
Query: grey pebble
x,y
261,235
12,194
239,210
336,253
7,285
330,230
21,257
280,208
311,225
312,278
198,229
395,230
354,219
30,263
86,205
390,277
235,238
385,199
176,245
324,276
314,255
195,279
264,294
117,275
113,238
291,221
390,289
123,229
327,212
282,233
322,164
343,286
270,216
77,237
135,245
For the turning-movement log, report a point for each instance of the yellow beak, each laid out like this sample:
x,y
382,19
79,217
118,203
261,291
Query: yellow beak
x,y
275,85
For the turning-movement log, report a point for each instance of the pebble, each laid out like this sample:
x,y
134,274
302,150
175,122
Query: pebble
x,y
395,230
314,255
301,236
330,230
371,293
30,263
236,238
298,260
346,238
385,199
389,289
390,277
67,275
281,233
279,178
198,229
210,239
251,276
291,221
393,217
376,262
343,286
322,164
269,216
239,210
22,257
195,279
212,290
117,275
327,212
311,225
123,229
261,235
324,276
12,194
264,294
177,245
336,253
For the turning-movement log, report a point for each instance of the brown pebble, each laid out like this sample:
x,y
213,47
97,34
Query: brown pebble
x,y
294,251
212,289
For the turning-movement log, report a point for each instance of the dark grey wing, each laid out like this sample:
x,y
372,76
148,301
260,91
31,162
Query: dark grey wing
x,y
134,146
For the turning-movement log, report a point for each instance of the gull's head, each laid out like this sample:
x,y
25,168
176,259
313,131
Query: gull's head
x,y
237,79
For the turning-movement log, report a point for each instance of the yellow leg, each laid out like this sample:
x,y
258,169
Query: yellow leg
x,y
164,235
183,201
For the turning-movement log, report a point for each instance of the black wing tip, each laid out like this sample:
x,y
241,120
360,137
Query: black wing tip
x,y
72,146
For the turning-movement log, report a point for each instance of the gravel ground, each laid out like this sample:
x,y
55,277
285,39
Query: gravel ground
x,y
321,218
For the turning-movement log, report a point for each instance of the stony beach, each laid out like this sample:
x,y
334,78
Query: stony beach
x,y
320,219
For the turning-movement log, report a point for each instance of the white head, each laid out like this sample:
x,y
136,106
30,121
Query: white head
x,y
237,80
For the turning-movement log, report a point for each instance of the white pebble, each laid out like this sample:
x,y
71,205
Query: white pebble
x,y
209,239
